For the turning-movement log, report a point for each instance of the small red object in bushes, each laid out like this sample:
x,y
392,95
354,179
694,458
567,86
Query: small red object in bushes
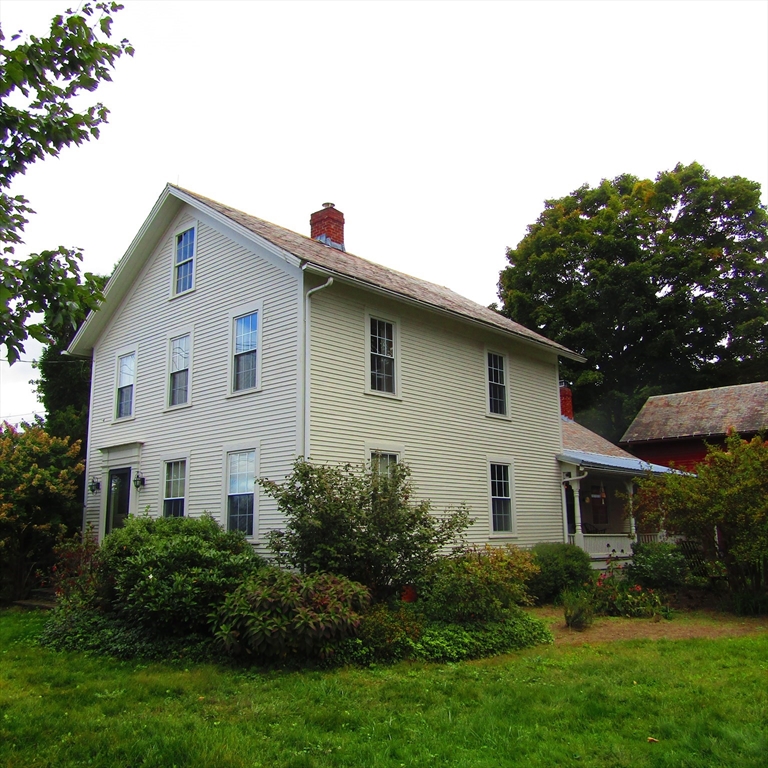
x,y
408,595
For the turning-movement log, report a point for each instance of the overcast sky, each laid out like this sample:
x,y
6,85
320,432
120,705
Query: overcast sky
x,y
438,128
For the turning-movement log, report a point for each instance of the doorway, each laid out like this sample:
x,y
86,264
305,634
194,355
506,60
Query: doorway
x,y
118,497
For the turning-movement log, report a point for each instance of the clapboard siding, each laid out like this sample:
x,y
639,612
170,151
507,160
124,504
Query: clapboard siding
x,y
227,276
440,419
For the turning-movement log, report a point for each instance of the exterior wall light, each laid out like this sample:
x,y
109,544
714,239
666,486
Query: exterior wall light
x,y
138,481
94,485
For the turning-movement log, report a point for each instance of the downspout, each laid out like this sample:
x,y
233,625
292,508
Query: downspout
x,y
307,362
579,537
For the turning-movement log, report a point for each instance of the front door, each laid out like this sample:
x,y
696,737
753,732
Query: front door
x,y
118,498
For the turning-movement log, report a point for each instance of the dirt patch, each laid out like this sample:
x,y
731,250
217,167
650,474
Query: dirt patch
x,y
682,626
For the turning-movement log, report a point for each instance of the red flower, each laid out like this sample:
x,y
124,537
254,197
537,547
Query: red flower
x,y
408,594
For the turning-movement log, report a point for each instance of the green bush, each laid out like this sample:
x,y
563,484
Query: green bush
x,y
561,567
359,523
614,595
169,573
657,565
388,632
477,585
578,607
276,614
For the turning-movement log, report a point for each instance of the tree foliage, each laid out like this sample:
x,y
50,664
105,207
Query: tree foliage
x,y
38,482
39,80
361,524
662,285
724,507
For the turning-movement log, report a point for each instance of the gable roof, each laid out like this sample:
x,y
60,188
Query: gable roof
x,y
703,413
589,450
309,254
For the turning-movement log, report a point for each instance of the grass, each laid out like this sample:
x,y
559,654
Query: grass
x,y
705,701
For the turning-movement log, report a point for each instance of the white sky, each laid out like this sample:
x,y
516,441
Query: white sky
x,y
438,128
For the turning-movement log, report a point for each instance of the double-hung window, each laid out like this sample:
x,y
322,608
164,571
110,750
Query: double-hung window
x,y
241,474
382,462
382,356
497,385
126,376
501,498
178,386
184,261
175,488
246,350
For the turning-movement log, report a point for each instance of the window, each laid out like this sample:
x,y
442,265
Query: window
x,y
246,330
126,374
382,350
501,498
599,502
175,485
184,261
178,386
497,385
241,468
383,462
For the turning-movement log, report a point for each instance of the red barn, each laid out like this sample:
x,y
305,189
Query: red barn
x,y
674,429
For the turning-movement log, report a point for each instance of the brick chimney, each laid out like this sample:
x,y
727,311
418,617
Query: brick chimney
x,y
327,226
566,401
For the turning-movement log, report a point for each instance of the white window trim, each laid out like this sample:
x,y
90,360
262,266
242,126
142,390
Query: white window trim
x,y
124,352
251,445
395,322
510,462
247,309
168,355
381,446
164,460
176,232
504,416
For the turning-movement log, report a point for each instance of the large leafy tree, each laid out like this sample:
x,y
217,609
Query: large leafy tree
x,y
662,285
40,79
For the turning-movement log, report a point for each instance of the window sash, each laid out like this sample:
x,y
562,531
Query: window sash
x,y
497,388
241,468
126,375
501,498
185,250
382,462
175,488
382,356
179,384
246,352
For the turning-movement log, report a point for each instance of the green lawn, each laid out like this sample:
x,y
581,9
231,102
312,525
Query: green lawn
x,y
706,701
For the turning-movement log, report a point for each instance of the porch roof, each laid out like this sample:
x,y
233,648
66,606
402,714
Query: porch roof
x,y
628,466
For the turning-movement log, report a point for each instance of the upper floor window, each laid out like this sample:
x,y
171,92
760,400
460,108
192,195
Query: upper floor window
x,y
497,385
501,498
382,345
126,376
241,474
246,330
184,260
178,386
175,488
382,462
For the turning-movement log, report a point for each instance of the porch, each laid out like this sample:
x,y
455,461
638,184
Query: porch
x,y
600,545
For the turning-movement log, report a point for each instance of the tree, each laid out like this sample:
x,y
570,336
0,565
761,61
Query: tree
x,y
662,285
39,79
724,507
38,482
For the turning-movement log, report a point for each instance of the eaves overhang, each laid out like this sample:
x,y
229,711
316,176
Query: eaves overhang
x,y
628,467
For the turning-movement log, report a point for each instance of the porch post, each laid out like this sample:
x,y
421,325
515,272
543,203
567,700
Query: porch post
x,y
579,536
630,493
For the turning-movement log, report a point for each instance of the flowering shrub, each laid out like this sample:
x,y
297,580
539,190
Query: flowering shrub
x,y
614,595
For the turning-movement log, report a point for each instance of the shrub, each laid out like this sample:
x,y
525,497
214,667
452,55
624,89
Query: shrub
x,y
579,611
38,485
477,585
359,523
614,595
276,614
658,565
561,567
389,632
169,573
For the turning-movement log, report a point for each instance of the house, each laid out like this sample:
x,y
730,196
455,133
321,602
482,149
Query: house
x,y
675,429
598,482
227,346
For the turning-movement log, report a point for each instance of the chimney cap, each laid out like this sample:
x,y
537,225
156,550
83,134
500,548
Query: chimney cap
x,y
329,205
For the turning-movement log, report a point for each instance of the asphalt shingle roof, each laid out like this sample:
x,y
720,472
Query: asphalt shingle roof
x,y
701,413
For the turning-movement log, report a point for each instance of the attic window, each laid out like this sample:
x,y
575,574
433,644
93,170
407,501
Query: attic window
x,y
184,262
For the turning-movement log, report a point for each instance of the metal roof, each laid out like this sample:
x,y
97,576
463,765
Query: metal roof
x,y
619,465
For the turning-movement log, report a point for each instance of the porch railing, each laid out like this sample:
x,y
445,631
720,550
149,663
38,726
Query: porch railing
x,y
605,543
